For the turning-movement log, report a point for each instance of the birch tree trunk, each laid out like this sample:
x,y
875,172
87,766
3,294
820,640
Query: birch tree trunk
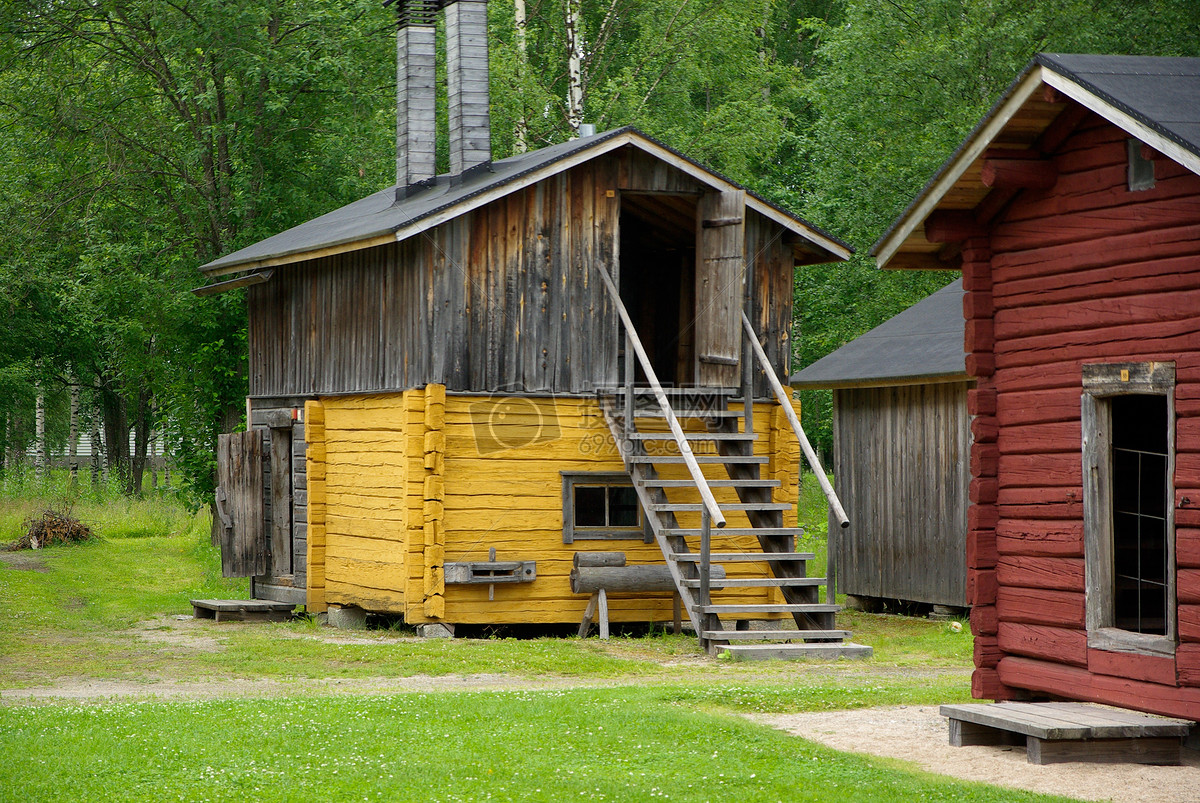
x,y
521,129
39,423
73,437
574,65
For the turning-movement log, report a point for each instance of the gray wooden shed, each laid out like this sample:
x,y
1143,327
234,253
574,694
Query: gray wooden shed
x,y
901,447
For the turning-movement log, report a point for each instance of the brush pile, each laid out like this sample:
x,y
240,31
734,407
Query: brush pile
x,y
52,527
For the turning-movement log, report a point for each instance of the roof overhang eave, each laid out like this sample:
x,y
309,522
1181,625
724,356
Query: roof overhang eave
x,y
1023,89
881,381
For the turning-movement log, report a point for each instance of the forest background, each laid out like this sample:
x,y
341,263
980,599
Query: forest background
x,y
143,138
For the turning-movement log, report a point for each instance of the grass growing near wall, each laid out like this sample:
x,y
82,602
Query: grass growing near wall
x,y
632,744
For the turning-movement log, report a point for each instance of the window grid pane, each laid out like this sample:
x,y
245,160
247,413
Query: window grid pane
x,y
1139,492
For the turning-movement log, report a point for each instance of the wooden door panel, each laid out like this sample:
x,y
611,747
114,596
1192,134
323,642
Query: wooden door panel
x,y
281,501
240,476
720,286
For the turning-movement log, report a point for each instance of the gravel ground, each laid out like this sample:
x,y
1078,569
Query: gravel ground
x,y
919,734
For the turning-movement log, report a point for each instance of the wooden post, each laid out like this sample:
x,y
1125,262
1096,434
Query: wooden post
x,y
705,553
588,614
602,609
676,614
629,377
747,388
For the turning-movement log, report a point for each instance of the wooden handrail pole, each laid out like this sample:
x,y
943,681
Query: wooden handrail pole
x,y
629,378
685,450
785,401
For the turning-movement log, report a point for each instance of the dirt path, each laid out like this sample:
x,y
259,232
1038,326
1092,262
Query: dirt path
x,y
919,734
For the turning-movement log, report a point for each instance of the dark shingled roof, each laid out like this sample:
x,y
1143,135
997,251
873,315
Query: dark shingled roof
x,y
923,342
1160,92
379,215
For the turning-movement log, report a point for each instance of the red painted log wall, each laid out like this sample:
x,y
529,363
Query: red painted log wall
x,y
1085,271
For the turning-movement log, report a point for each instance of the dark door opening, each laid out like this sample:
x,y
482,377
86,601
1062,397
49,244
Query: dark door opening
x,y
658,270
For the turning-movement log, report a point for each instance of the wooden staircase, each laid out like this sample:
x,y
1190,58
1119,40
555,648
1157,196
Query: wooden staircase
x,y
723,447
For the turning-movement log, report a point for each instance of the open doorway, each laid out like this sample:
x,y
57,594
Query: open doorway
x,y
658,277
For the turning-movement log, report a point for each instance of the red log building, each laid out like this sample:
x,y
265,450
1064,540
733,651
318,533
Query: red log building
x,y
1073,212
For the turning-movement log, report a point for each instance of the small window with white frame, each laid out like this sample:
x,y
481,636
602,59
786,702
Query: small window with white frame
x,y
1128,420
601,505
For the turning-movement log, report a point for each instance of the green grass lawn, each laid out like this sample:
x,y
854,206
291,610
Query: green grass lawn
x,y
630,744
648,717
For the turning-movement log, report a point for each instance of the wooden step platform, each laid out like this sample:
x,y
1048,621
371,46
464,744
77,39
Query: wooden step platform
x,y
1057,732
793,652
242,610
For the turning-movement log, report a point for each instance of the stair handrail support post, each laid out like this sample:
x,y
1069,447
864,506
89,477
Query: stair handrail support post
x,y
747,386
685,450
785,402
705,558
629,379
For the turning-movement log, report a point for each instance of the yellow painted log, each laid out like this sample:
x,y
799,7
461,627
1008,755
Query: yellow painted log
x,y
433,510
314,413
434,581
435,607
378,550
435,555
435,487
364,573
435,441
316,452
371,599
433,534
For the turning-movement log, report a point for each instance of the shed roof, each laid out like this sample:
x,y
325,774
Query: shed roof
x,y
379,219
1155,99
922,344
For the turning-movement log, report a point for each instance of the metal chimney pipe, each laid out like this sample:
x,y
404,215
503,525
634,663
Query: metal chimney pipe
x,y
416,61
467,84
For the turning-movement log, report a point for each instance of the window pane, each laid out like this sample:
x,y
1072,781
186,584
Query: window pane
x,y
622,507
1139,492
589,506
1125,481
1152,496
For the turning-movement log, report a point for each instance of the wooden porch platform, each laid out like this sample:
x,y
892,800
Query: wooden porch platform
x,y
242,610
1057,732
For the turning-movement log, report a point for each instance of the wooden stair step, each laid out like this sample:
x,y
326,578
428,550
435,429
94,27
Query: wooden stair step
x,y
687,532
757,582
693,436
681,413
696,507
736,557
767,635
793,652
766,607
659,483
744,459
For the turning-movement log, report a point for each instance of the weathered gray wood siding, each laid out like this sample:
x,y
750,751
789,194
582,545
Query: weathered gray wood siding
x,y
275,583
770,272
501,298
901,462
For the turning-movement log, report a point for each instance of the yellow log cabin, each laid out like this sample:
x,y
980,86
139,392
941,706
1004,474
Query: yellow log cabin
x,y
468,389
